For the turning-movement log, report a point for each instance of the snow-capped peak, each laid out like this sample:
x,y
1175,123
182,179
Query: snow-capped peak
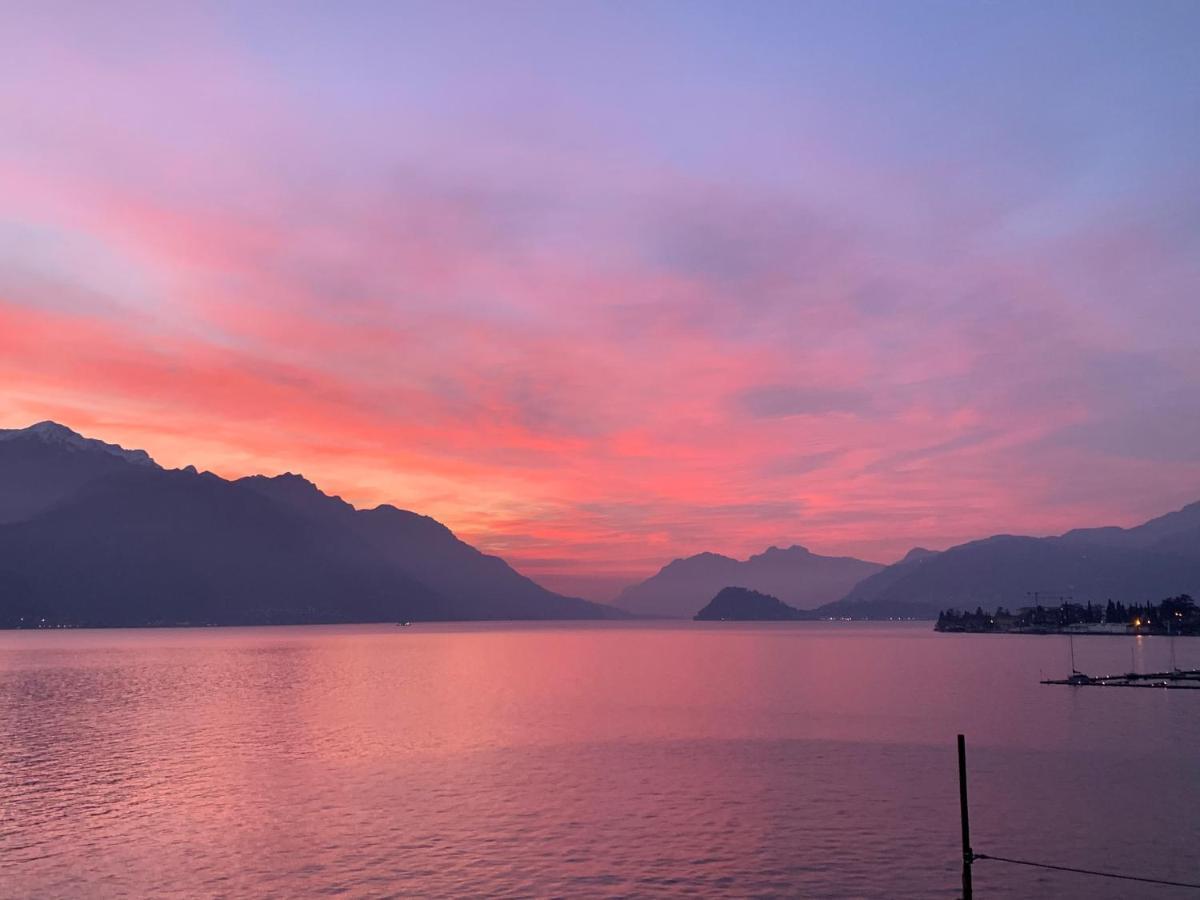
x,y
61,435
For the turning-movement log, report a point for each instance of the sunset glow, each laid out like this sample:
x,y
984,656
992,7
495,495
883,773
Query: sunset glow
x,y
605,287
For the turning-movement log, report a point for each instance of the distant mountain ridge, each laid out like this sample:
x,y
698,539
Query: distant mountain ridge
x,y
1175,532
60,435
94,534
1146,563
47,462
1143,564
795,575
475,583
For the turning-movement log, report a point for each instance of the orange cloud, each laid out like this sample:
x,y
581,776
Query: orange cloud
x,y
590,364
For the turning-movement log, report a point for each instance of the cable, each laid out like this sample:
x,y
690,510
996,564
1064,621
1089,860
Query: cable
x,y
1025,862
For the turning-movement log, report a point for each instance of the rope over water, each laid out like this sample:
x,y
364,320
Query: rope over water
x,y
1039,865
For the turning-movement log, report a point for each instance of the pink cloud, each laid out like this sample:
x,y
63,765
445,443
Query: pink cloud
x,y
589,363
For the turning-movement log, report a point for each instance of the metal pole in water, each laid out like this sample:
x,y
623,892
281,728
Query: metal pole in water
x,y
968,857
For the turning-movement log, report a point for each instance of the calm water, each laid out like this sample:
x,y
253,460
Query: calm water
x,y
808,759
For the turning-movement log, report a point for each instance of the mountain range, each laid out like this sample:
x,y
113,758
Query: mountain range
x,y
1144,564
794,575
94,534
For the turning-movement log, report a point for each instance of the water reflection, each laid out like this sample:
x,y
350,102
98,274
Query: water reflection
x,y
589,760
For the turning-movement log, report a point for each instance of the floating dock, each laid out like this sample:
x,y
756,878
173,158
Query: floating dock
x,y
1176,679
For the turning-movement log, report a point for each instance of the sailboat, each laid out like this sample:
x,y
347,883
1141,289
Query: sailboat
x,y
1076,676
1175,679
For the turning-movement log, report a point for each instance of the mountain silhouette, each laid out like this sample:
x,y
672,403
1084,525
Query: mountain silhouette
x,y
46,463
738,604
96,534
93,534
476,585
1158,559
800,578
860,602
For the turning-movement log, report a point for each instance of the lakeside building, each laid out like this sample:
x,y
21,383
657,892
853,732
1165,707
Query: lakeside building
x,y
1175,615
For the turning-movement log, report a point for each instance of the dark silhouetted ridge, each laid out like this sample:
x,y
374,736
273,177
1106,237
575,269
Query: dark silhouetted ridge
x,y
802,578
93,534
1144,564
738,604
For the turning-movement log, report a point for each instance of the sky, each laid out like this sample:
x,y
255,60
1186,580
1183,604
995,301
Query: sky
x,y
603,285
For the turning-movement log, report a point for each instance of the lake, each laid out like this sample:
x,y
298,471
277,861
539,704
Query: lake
x,y
602,759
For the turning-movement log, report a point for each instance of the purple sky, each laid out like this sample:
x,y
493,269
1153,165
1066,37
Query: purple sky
x,y
599,285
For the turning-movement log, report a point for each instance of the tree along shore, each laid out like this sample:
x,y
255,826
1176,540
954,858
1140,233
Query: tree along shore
x,y
1175,615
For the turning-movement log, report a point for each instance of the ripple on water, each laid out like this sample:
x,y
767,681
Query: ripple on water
x,y
565,762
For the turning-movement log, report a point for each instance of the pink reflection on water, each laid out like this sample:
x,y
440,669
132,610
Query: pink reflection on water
x,y
564,759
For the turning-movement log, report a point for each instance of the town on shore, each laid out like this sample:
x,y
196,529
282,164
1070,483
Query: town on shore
x,y
1175,615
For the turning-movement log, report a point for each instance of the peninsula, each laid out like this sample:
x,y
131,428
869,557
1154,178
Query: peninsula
x,y
739,604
